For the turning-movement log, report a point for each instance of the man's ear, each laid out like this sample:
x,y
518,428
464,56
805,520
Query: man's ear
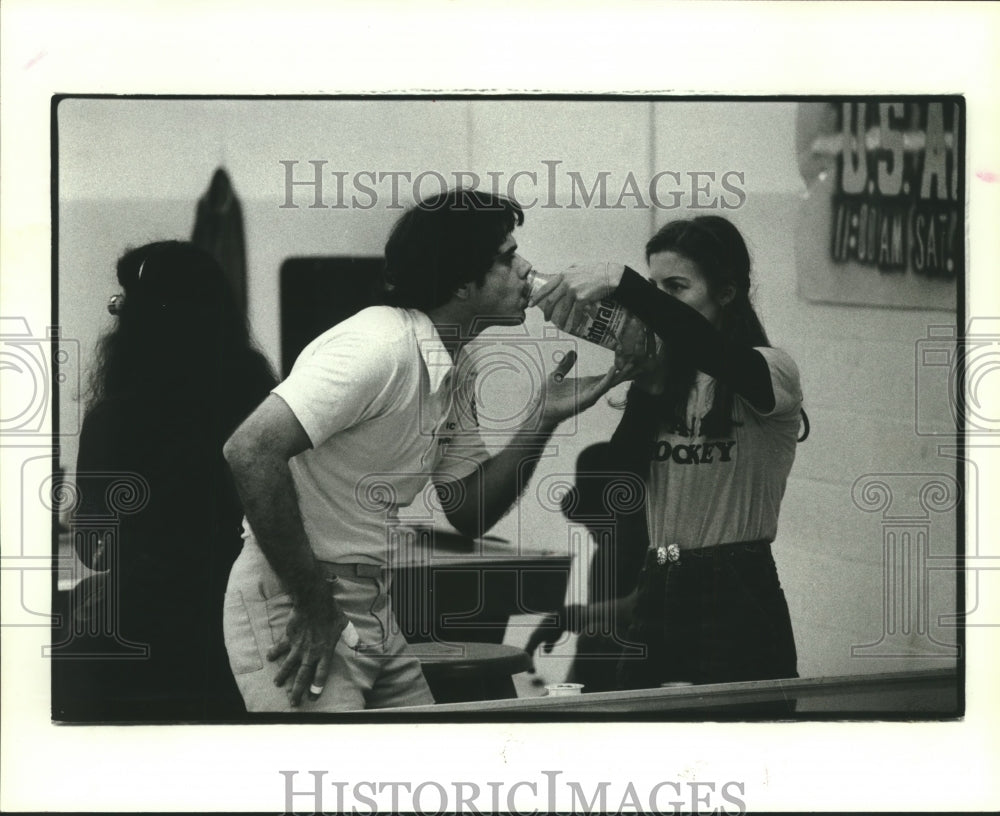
x,y
463,292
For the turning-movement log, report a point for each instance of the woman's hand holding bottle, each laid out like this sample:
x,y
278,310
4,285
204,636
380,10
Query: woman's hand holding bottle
x,y
564,297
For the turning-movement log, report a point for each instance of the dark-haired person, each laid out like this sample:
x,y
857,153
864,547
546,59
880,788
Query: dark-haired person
x,y
609,500
374,409
174,377
714,422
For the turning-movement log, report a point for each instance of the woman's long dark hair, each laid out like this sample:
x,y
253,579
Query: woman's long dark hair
x,y
716,246
179,338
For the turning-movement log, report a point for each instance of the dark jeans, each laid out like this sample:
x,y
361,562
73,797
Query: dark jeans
x,y
716,616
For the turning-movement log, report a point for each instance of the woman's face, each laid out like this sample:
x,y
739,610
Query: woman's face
x,y
681,278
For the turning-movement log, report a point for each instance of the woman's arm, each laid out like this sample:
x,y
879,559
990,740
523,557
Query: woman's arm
x,y
684,330
689,335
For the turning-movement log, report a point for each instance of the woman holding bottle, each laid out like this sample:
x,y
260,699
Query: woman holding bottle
x,y
712,424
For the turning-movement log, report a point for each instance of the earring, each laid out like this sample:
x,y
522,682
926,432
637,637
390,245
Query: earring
x,y
115,303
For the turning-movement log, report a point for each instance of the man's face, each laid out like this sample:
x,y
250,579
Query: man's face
x,y
503,295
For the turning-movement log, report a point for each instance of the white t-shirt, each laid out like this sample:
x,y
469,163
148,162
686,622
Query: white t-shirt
x,y
384,409
706,491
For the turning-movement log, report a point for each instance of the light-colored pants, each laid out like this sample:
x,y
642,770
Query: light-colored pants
x,y
378,673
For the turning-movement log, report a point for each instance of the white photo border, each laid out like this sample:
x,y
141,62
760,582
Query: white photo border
x,y
224,48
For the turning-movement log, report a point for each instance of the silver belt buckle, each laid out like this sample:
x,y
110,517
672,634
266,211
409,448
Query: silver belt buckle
x,y
671,553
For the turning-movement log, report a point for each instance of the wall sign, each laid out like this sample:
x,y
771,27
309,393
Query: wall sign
x,y
883,220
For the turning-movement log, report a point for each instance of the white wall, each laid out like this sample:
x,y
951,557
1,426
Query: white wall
x,y
131,171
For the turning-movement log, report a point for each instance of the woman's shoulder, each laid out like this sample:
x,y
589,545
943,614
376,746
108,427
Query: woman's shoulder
x,y
785,379
778,358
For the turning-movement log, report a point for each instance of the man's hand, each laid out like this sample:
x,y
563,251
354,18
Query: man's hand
x,y
566,298
547,635
565,396
308,644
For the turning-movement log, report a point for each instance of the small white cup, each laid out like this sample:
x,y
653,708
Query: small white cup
x,y
564,689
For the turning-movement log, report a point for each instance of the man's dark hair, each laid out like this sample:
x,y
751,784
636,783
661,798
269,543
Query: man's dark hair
x,y
444,242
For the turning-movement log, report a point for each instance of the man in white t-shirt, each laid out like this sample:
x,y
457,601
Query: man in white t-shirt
x,y
373,410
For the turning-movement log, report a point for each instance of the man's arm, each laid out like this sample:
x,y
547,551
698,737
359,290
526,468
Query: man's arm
x,y
479,500
258,453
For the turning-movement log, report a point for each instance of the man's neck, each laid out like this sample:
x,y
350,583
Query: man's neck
x,y
454,326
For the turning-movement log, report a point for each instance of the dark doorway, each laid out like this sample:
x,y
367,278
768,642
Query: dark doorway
x,y
319,292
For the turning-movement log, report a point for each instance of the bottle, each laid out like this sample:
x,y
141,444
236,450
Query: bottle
x,y
607,323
